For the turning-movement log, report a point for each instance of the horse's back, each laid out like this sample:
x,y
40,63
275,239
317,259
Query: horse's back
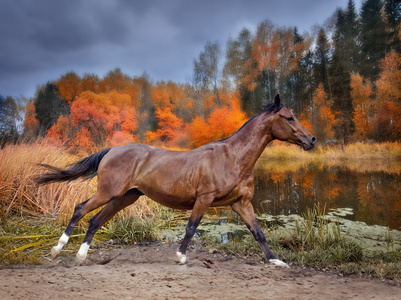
x,y
172,178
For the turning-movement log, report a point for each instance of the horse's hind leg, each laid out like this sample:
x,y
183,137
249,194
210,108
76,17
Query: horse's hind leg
x,y
103,216
81,209
245,210
77,215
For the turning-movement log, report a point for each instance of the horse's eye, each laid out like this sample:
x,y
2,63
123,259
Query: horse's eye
x,y
290,119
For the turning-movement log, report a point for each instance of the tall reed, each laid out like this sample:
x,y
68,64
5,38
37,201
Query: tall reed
x,y
18,191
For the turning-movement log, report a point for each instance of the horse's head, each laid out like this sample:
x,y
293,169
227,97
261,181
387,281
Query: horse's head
x,y
286,127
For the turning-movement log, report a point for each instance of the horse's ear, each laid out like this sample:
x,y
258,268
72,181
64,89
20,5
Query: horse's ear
x,y
277,101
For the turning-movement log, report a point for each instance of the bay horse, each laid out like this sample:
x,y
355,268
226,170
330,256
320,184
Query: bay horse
x,y
216,174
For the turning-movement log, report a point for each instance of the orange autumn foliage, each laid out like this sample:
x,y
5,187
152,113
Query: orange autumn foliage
x,y
360,91
58,131
31,122
275,50
120,138
169,94
323,119
387,122
95,119
389,82
69,86
83,139
221,123
170,127
360,94
199,132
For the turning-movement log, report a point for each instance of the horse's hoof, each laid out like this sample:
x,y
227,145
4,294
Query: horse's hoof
x,y
79,259
82,252
55,252
182,257
279,263
81,256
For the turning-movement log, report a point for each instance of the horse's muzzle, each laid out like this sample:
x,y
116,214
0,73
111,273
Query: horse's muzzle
x,y
310,144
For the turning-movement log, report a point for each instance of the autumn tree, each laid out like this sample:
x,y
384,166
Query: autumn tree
x,y
116,80
361,93
389,82
59,132
170,128
278,54
388,117
31,123
323,118
98,116
176,97
221,123
91,82
69,86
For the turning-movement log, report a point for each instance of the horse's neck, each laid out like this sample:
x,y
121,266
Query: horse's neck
x,y
250,141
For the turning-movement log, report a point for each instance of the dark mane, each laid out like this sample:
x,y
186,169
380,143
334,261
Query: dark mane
x,y
271,107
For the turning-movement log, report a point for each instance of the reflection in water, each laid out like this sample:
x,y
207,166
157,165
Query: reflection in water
x,y
286,188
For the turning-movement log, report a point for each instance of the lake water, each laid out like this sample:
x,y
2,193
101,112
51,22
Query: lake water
x,y
372,191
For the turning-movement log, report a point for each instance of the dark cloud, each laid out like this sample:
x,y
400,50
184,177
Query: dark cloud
x,y
43,39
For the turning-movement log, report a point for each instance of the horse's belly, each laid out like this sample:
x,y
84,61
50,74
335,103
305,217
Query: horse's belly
x,y
172,200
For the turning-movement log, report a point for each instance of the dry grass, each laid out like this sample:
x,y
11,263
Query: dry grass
x,y
18,192
358,156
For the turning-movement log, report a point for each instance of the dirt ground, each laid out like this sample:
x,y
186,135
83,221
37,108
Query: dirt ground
x,y
152,272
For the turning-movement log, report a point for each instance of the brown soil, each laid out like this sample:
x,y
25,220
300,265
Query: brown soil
x,y
152,272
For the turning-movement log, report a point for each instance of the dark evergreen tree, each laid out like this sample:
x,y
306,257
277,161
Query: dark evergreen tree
x,y
374,37
392,9
49,106
340,70
351,38
146,109
321,57
298,83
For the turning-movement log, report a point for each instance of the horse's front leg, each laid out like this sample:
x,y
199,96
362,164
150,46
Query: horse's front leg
x,y
201,205
245,210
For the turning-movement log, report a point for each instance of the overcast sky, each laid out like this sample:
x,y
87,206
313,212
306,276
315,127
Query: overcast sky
x,y
42,39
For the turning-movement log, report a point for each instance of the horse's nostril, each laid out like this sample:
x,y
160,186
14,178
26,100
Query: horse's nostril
x,y
314,139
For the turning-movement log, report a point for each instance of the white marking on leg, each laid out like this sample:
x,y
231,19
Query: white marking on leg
x,y
181,257
278,262
61,242
83,252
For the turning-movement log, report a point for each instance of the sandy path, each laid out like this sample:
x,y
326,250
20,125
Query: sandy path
x,y
151,272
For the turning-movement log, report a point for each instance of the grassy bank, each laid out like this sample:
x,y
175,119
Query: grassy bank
x,y
318,240
358,156
33,218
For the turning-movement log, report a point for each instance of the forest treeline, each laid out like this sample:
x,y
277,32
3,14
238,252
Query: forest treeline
x,y
343,81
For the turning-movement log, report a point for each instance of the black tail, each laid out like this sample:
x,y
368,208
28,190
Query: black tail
x,y
86,168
